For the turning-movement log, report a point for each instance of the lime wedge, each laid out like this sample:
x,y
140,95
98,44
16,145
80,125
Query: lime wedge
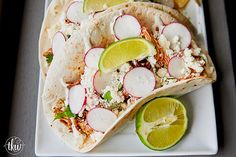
x,y
123,51
95,5
161,123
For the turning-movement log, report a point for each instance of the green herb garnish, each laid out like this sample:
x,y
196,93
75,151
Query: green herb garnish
x,y
49,58
120,87
107,96
67,113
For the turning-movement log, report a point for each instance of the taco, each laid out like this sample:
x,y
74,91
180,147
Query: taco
x,y
86,102
62,19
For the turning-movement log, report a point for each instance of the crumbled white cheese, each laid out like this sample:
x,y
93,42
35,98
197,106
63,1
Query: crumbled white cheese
x,y
125,67
117,96
197,51
188,58
164,42
175,44
113,88
91,101
87,82
162,72
168,81
191,62
170,53
196,66
152,60
123,70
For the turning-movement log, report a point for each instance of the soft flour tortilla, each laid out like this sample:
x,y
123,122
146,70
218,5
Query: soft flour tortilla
x,y
51,21
56,10
68,67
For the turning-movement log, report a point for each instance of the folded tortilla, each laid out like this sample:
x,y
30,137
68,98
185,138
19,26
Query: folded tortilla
x,y
68,67
52,23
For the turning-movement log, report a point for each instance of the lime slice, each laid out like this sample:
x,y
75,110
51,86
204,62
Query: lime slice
x,y
95,5
161,123
123,51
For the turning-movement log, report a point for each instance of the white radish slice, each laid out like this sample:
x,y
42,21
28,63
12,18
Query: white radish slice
x,y
100,119
100,81
126,26
77,98
139,82
176,29
75,13
92,57
176,67
58,42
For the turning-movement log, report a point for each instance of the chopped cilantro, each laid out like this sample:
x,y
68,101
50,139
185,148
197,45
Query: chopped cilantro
x,y
59,116
107,96
67,113
120,86
49,58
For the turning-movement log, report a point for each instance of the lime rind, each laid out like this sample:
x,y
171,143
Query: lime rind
x,y
150,46
86,5
140,121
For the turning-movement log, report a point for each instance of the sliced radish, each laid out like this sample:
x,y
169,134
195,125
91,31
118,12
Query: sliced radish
x,y
126,26
177,29
92,57
77,98
75,13
100,119
100,81
139,81
58,42
176,67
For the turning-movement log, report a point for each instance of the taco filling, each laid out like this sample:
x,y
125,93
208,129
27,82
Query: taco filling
x,y
94,103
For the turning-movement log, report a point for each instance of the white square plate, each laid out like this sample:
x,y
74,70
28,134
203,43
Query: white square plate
x,y
200,139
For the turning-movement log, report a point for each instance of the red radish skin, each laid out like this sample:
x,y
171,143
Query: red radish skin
x,y
100,119
74,12
137,84
92,57
175,67
126,26
177,29
58,42
77,98
100,81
